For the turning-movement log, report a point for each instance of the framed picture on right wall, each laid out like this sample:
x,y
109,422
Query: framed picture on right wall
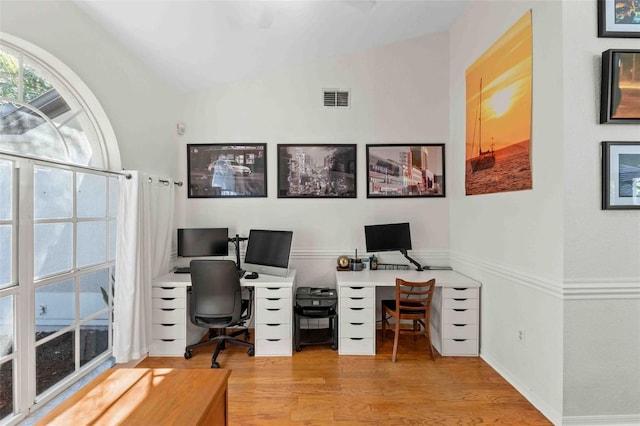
x,y
618,18
620,175
620,88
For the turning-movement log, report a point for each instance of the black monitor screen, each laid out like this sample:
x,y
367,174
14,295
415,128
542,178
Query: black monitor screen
x,y
269,248
390,237
196,242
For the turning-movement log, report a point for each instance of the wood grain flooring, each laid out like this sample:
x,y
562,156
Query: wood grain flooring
x,y
318,387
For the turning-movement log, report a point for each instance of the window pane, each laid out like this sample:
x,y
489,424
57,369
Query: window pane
x,y
54,361
52,194
34,85
92,298
94,339
112,239
6,388
81,138
6,187
54,308
114,193
6,255
91,195
9,73
53,245
92,243
6,326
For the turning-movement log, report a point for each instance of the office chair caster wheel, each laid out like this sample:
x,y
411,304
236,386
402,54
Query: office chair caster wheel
x,y
215,364
251,352
188,354
298,348
334,347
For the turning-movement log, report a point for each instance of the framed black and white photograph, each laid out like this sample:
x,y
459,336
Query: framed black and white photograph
x,y
618,18
227,170
317,171
415,170
620,87
620,175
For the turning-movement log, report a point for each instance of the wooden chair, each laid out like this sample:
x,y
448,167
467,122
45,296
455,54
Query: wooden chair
x,y
413,303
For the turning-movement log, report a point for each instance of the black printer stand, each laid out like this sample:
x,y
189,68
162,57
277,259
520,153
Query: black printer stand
x,y
316,303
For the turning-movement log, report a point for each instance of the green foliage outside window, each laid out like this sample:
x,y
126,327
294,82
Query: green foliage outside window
x,y
34,84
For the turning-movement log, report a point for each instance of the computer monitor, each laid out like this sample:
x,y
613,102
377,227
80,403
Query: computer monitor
x,y
390,237
201,242
268,252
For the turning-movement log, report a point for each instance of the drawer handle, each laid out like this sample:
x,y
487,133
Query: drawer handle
x,y
356,288
168,288
273,288
356,338
167,309
459,325
460,288
460,300
356,323
273,309
272,325
459,340
168,340
168,325
459,310
273,298
273,340
168,298
356,309
356,298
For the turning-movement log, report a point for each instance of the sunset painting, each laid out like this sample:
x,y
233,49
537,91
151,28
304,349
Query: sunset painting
x,y
498,114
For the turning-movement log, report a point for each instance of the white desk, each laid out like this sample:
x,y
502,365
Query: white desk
x,y
172,330
454,311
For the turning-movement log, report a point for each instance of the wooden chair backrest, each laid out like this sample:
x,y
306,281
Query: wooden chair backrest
x,y
413,299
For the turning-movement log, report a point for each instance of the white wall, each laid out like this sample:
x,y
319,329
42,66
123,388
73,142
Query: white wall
x,y
141,108
551,262
602,249
512,241
398,95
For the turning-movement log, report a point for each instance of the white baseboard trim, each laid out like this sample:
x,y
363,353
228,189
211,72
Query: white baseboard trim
x,y
617,420
544,408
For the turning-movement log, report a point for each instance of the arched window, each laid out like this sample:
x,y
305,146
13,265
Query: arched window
x,y
47,112
58,213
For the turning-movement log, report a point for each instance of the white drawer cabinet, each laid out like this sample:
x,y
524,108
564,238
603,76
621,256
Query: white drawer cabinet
x,y
273,325
356,320
455,320
171,330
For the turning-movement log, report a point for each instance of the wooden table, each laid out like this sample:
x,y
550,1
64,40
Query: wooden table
x,y
147,396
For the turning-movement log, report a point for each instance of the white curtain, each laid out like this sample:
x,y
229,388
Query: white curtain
x,y
143,247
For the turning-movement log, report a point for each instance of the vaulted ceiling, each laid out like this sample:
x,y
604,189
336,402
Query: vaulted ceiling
x,y
195,44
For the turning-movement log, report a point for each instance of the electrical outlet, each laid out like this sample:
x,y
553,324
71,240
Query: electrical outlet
x,y
521,335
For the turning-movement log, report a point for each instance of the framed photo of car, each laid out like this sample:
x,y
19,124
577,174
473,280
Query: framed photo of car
x,y
620,175
227,170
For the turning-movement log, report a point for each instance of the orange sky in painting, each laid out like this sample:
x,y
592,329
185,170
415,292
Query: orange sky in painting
x,y
505,70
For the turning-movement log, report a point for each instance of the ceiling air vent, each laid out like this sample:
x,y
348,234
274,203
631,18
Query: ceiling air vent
x,y
336,98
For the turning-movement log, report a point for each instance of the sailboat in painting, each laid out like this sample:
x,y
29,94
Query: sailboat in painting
x,y
485,159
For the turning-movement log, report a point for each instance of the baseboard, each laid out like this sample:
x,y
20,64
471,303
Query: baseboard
x,y
621,420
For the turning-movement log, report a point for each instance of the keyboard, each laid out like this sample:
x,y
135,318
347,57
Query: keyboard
x,y
182,270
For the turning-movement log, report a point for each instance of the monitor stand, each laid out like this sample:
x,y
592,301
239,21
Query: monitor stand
x,y
418,266
236,241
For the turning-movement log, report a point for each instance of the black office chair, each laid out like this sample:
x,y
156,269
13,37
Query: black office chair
x,y
216,303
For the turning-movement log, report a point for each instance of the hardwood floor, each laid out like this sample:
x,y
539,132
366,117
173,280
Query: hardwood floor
x,y
318,387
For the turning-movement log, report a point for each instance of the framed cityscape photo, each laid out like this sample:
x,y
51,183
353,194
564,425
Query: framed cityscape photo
x,y
415,170
620,86
227,170
620,175
317,171
618,18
